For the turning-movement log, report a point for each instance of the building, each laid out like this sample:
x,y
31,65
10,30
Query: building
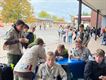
x,y
84,20
94,18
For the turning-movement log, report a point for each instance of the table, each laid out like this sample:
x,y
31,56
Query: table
x,y
75,66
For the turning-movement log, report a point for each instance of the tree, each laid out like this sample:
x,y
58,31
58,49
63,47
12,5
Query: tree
x,y
55,18
44,14
16,9
61,20
58,19
86,14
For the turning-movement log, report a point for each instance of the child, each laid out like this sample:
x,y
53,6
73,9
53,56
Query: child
x,y
50,70
25,67
61,51
96,69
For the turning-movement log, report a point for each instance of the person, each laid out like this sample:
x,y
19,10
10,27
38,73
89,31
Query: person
x,y
80,52
31,37
104,36
40,26
24,69
83,35
25,32
70,35
65,35
61,52
97,68
13,39
50,70
25,29
88,28
60,31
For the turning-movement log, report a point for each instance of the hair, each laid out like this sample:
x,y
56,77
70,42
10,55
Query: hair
x,y
26,26
78,41
19,22
61,46
100,52
50,53
81,26
39,41
68,26
71,29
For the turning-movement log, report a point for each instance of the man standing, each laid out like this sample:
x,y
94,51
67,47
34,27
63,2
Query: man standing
x,y
83,35
13,40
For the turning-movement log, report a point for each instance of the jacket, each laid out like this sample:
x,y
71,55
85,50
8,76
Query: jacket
x,y
94,70
45,73
12,44
30,59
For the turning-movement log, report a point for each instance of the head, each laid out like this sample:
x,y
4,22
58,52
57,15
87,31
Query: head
x,y
50,58
19,25
68,26
26,27
32,29
99,55
39,41
78,43
81,27
60,48
70,29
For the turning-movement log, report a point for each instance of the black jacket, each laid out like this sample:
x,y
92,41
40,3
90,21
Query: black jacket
x,y
93,70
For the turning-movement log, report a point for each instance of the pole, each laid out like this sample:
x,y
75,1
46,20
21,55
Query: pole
x,y
79,13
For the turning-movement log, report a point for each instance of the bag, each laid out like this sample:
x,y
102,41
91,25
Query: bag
x,y
6,72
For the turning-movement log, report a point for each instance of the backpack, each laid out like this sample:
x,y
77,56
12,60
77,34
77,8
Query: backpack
x,y
6,72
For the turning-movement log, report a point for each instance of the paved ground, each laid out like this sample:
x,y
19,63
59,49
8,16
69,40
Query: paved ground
x,y
51,39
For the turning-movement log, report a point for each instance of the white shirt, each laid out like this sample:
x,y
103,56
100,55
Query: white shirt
x,y
30,58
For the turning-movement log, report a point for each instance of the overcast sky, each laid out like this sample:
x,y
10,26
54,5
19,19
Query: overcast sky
x,y
61,8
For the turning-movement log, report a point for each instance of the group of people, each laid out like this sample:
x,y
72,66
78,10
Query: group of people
x,y
36,56
95,67
103,36
94,63
25,63
16,38
69,34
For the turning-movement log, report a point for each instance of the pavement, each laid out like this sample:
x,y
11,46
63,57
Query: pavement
x,y
51,40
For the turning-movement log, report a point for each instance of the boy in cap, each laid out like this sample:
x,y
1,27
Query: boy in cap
x,y
24,69
94,69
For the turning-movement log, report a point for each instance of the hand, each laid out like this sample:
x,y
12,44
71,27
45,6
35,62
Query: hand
x,y
23,40
102,77
71,56
59,57
77,57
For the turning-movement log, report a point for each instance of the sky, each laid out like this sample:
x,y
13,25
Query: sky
x,y
61,8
